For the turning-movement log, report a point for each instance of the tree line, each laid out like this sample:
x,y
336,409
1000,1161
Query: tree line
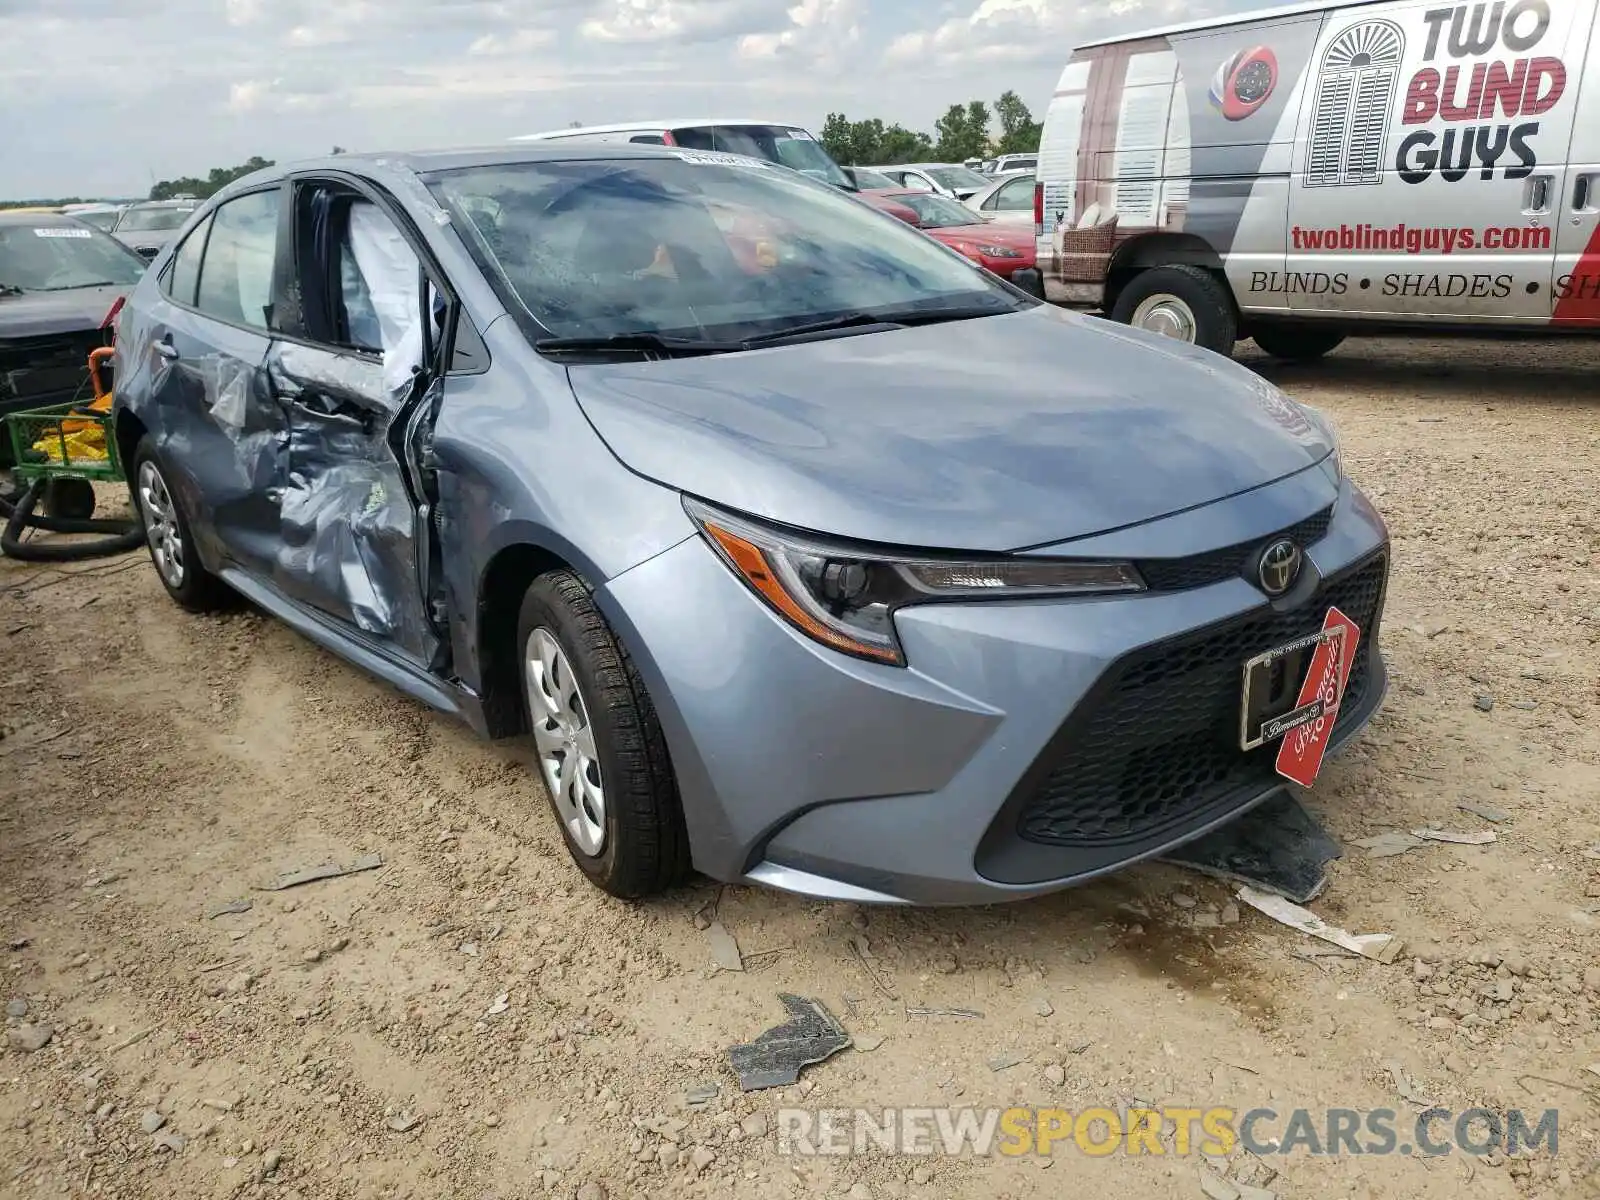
x,y
963,132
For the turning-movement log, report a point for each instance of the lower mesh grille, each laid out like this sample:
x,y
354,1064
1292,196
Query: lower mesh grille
x,y
1157,744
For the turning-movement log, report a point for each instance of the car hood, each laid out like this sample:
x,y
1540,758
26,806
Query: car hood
x,y
987,233
44,314
999,433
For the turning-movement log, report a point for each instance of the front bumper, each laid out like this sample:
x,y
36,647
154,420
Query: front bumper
x,y
1028,747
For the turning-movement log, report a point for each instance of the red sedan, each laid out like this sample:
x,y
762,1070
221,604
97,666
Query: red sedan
x,y
1002,249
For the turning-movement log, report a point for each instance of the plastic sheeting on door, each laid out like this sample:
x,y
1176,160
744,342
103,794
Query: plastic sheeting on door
x,y
349,528
392,274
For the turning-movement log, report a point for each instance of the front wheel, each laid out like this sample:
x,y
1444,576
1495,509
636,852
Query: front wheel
x,y
601,751
1185,303
1296,343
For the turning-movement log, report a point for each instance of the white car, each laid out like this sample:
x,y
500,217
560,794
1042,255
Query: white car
x,y
1007,200
1008,164
944,179
775,141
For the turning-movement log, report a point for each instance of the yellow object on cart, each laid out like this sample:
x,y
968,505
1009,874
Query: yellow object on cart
x,y
82,439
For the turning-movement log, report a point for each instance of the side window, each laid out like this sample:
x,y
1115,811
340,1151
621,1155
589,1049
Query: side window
x,y
1015,196
184,275
649,139
920,182
236,274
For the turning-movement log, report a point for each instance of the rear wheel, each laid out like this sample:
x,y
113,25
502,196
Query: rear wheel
x,y
1188,304
166,531
601,751
1296,343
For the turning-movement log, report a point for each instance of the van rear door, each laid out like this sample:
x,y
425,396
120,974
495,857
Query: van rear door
x,y
1430,156
1575,297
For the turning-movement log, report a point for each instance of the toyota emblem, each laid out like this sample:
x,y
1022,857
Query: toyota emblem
x,y
1279,567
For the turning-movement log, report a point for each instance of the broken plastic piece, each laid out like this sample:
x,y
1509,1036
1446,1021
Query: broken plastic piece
x,y
367,862
724,950
1277,847
1380,947
1481,838
810,1035
1389,845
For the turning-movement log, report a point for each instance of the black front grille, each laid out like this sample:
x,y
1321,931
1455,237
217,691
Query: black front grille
x,y
37,371
1157,744
1231,562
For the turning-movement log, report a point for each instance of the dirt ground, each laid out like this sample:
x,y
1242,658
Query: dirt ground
x,y
473,1020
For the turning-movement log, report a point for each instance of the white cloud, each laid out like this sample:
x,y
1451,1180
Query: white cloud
x,y
681,20
822,31
1000,31
517,41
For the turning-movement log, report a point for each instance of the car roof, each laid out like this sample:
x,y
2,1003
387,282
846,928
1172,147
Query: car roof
x,y
36,217
919,166
664,123
1241,18
163,204
423,162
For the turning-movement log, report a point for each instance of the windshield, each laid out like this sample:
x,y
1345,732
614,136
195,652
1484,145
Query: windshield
x,y
695,248
150,220
956,177
104,219
937,212
54,258
791,147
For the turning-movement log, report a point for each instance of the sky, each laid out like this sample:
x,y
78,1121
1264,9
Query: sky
x,y
104,97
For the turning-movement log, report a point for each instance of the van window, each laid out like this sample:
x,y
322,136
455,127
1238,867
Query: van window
x,y
649,139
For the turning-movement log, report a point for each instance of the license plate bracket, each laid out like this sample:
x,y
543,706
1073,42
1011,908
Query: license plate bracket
x,y
1272,682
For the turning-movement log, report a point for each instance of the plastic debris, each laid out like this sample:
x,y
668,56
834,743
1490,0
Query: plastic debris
x,y
724,949
367,862
1389,845
1276,847
1481,838
1380,947
1487,811
1405,1085
231,907
962,1014
774,1059
403,1122
501,1003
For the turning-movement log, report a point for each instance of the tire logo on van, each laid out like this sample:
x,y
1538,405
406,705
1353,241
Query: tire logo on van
x,y
1244,82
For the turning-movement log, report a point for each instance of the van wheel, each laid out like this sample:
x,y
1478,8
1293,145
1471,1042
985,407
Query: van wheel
x,y
601,751
1296,343
1186,303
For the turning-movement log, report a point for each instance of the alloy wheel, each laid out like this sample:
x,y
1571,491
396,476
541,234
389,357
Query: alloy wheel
x,y
565,742
161,524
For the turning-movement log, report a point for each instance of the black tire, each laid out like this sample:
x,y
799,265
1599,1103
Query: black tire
x,y
196,589
1297,343
646,846
1207,299
69,499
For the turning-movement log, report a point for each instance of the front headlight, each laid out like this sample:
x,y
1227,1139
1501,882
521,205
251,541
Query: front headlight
x,y
1000,251
845,596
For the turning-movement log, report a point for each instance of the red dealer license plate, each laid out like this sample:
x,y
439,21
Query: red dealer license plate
x,y
1293,693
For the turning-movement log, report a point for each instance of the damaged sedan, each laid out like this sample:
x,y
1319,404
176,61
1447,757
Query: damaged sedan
x,y
803,551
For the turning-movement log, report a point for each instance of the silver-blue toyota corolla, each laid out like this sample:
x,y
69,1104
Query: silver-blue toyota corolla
x,y
807,552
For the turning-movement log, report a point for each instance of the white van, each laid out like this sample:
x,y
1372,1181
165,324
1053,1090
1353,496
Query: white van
x,y
1300,174
775,141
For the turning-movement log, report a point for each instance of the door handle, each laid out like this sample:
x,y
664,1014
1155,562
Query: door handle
x,y
165,349
1583,194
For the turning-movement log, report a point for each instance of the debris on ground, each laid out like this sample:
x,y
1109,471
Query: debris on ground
x,y
960,1014
1480,838
1276,847
289,879
1488,812
863,952
151,1121
1380,947
229,908
501,1003
1043,1007
1005,1060
724,949
700,1095
1484,703
775,1058
1389,845
29,1038
1405,1086
403,1122
867,1042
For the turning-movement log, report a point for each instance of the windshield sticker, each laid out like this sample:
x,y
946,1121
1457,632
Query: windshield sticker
x,y
62,231
716,158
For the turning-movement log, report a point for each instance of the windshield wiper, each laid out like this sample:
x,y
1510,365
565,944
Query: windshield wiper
x,y
634,343
896,319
